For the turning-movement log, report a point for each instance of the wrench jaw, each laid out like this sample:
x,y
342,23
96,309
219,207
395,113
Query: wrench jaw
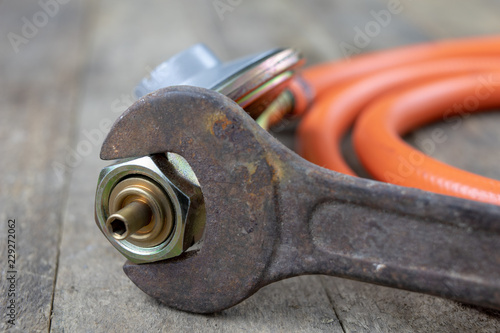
x,y
224,148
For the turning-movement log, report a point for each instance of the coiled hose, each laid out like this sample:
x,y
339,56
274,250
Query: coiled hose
x,y
388,94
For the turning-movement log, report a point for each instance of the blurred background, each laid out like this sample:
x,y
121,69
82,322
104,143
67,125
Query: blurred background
x,y
67,71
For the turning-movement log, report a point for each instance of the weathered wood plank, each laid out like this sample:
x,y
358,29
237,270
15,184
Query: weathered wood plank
x,y
39,85
93,294
454,19
363,307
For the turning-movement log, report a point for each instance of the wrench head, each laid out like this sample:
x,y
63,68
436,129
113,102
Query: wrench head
x,y
229,154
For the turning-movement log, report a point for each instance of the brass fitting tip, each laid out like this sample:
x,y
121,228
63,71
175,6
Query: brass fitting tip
x,y
139,212
129,219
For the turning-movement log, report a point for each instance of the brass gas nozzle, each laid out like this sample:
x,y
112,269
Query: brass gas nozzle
x,y
128,220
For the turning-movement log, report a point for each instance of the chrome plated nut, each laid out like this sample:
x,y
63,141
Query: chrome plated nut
x,y
150,208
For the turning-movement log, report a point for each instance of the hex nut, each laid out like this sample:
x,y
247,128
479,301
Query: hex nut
x,y
181,190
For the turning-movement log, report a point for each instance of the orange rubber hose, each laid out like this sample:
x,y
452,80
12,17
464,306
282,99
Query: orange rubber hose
x,y
340,92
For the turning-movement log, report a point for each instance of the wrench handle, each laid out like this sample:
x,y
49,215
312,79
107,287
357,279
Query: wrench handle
x,y
388,235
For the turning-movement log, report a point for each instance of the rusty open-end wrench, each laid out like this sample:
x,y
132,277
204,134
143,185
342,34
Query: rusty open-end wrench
x,y
271,215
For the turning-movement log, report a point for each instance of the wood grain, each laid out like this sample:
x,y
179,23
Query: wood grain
x,y
62,91
39,88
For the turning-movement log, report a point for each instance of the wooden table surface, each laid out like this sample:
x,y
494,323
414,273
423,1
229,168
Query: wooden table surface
x,y
67,71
